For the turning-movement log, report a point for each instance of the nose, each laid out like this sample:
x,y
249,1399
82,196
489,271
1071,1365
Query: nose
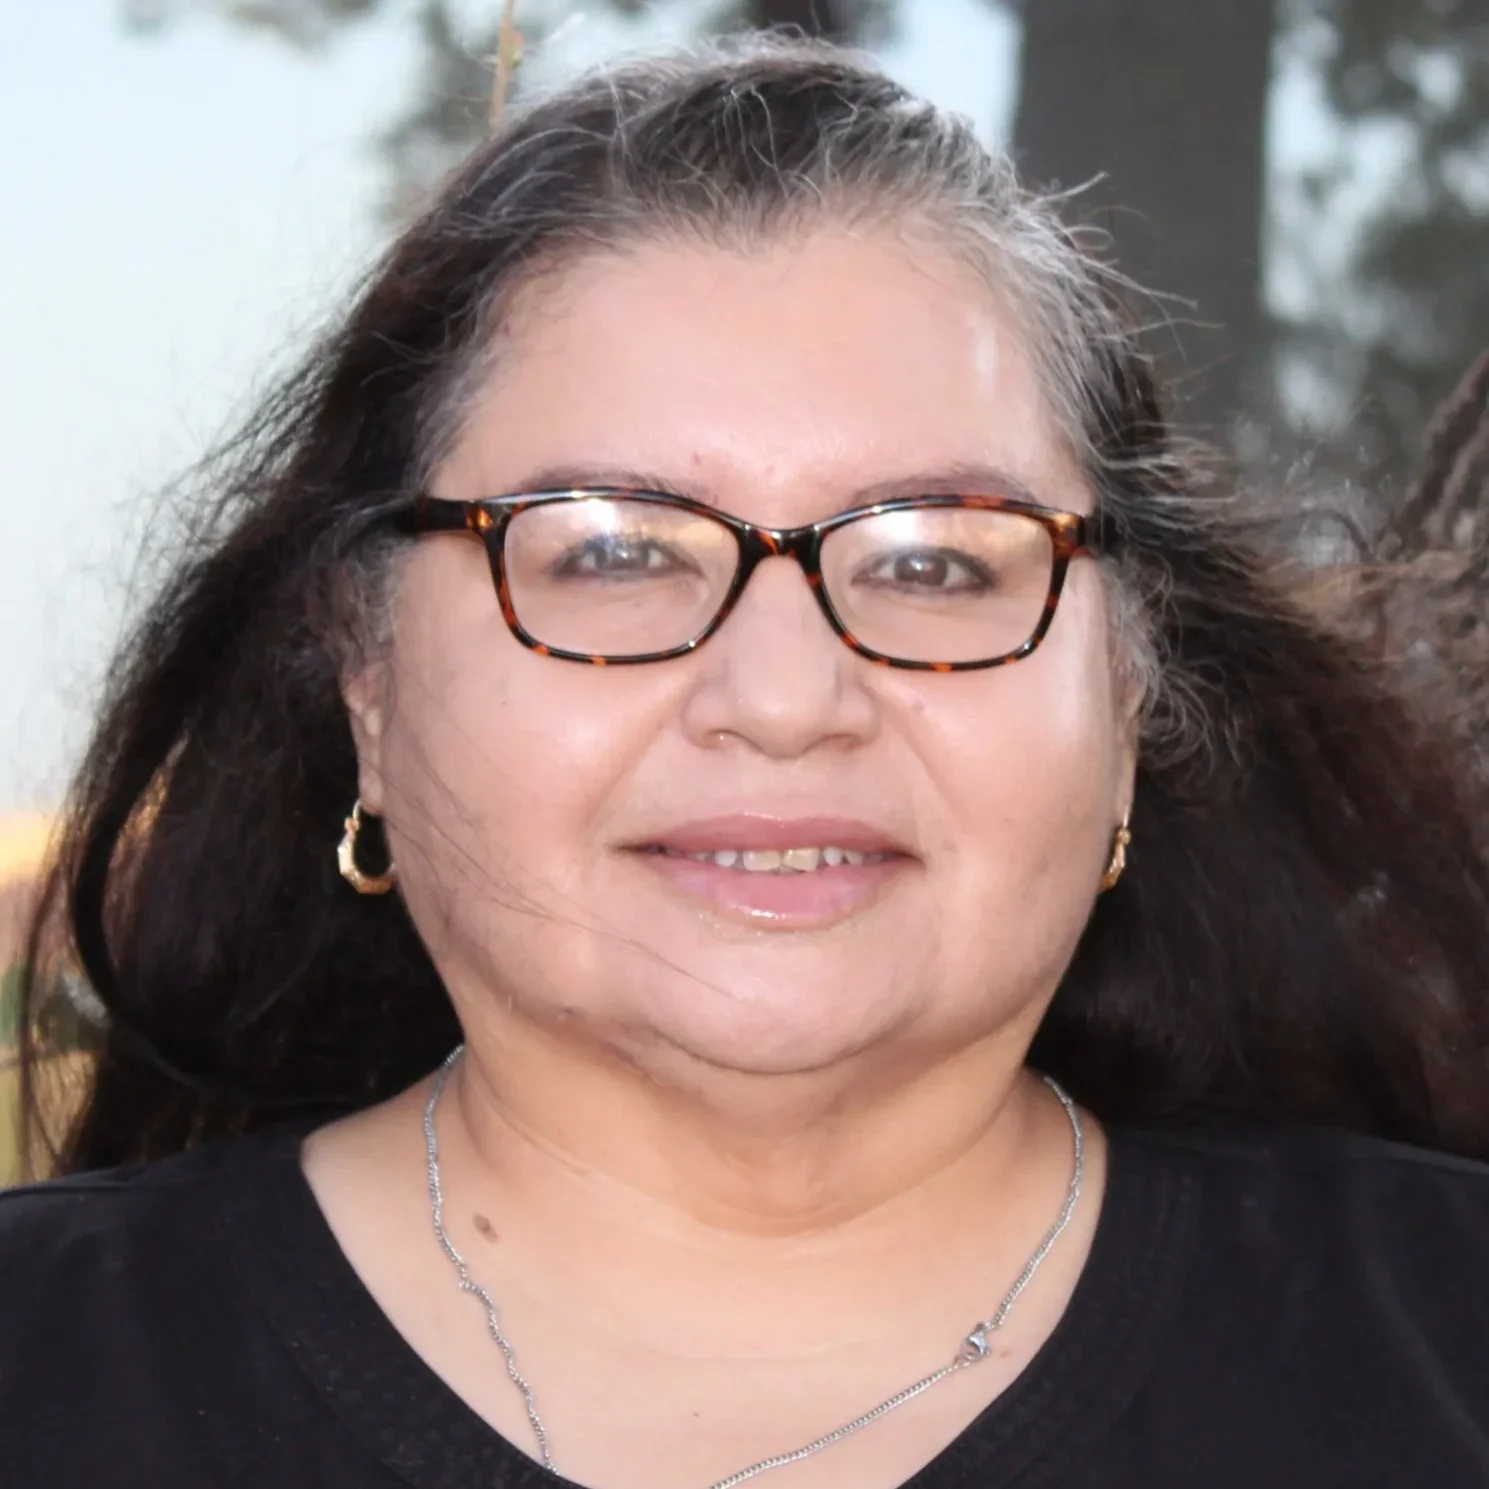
x,y
775,677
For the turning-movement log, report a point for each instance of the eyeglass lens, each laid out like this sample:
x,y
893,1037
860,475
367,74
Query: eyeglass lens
x,y
621,577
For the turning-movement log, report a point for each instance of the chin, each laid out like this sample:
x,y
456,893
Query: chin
x,y
751,1036
766,1005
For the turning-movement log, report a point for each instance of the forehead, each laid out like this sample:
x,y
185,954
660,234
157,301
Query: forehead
x,y
820,364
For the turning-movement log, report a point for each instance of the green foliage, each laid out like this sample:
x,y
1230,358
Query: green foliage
x,y
1379,344
1392,334
65,1014
304,23
10,1008
448,111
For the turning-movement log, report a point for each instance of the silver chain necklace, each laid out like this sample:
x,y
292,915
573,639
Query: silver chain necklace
x,y
975,1348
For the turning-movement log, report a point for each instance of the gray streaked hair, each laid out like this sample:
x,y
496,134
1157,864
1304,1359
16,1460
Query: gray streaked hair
x,y
754,137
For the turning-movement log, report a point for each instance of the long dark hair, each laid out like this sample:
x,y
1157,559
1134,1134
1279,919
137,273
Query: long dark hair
x,y
1303,931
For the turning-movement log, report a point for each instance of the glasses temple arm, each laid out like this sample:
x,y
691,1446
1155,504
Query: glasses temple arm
x,y
432,514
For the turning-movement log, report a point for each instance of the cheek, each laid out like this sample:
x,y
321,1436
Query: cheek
x,y
1026,759
497,760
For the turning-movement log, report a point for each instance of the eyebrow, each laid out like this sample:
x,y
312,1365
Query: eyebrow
x,y
961,478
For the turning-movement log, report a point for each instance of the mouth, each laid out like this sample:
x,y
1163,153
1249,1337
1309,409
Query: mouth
x,y
801,873
798,860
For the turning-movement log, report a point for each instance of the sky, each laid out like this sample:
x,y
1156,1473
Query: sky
x,y
182,211
179,213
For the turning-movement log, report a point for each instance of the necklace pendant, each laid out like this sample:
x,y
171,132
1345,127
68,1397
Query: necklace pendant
x,y
975,1346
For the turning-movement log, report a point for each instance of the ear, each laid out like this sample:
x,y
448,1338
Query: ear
x,y
1130,696
1126,782
367,694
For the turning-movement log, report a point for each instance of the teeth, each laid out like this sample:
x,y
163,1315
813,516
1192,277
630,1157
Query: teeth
x,y
786,861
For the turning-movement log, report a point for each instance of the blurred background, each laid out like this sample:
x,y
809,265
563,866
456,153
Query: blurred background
x,y
191,187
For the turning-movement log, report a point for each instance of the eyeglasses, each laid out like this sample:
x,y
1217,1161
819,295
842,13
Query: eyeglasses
x,y
613,576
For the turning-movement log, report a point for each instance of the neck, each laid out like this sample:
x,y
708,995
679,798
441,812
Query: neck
x,y
738,1151
806,1194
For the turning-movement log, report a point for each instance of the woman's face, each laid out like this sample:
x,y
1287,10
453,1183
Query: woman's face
x,y
542,811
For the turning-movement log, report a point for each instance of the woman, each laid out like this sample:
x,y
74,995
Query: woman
x,y
734,552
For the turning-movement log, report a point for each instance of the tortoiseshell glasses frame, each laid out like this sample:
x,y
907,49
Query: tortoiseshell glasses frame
x,y
489,518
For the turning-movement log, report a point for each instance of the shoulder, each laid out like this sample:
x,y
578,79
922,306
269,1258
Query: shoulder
x,y
130,1229
1291,1160
128,1297
1329,1303
120,1193
1304,1208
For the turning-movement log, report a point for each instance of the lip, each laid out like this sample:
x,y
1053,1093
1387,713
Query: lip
x,y
715,834
782,901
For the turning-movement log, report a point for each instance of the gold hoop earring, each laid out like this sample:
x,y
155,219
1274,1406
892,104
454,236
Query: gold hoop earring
x,y
346,859
1118,861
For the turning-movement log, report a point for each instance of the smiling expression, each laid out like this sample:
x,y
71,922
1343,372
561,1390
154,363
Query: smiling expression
x,y
769,854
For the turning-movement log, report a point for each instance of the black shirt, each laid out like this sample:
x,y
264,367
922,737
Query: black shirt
x,y
1261,1308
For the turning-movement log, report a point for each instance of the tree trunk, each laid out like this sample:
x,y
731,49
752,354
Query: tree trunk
x,y
1167,101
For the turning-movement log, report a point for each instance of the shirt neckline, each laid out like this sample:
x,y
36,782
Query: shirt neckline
x,y
395,1405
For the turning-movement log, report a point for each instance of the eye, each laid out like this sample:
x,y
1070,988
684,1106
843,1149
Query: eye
x,y
622,556
928,571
